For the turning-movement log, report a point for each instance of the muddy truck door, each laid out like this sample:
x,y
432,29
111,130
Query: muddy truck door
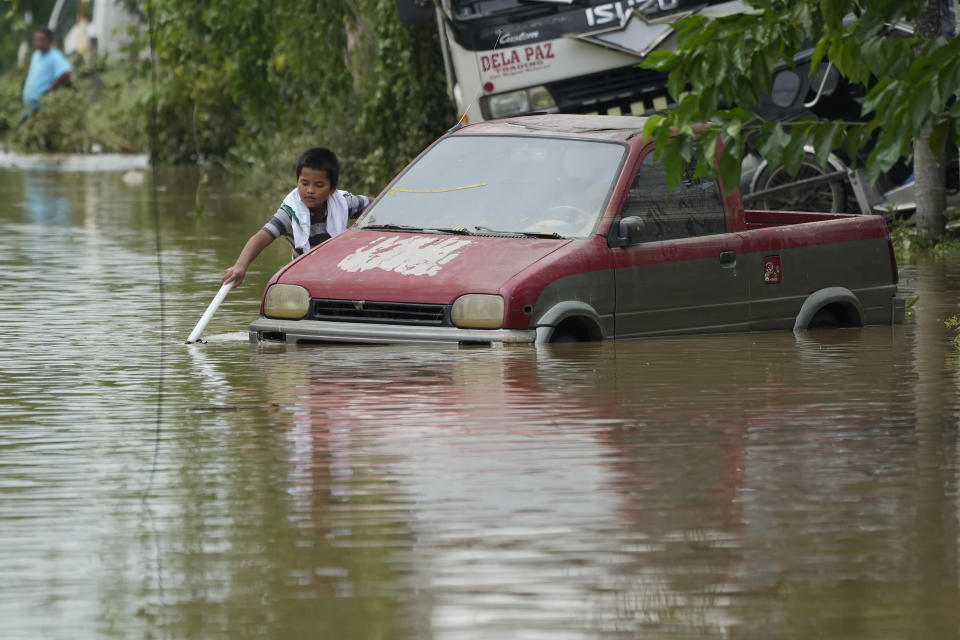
x,y
677,264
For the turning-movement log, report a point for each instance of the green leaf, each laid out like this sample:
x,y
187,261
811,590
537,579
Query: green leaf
x,y
674,164
949,79
920,106
852,142
686,111
699,73
662,137
676,82
685,144
818,52
721,59
709,99
741,114
938,136
653,121
690,31
823,140
793,153
660,60
882,92
832,13
898,60
709,138
856,68
874,54
773,146
738,53
729,171
884,155
733,128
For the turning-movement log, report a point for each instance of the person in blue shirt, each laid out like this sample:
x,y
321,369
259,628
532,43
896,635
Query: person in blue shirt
x,y
49,69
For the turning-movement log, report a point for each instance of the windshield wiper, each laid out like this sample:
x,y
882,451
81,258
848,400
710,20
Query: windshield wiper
x,y
457,231
528,234
390,227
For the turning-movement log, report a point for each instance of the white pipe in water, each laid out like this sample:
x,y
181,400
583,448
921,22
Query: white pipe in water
x,y
205,319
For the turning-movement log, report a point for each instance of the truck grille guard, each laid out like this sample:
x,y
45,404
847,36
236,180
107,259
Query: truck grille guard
x,y
625,90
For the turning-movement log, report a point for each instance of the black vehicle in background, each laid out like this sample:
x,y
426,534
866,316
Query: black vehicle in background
x,y
842,186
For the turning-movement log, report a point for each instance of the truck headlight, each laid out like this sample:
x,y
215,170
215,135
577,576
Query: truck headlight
x,y
286,301
513,102
477,311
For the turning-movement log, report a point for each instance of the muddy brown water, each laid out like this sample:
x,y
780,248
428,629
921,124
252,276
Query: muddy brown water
x,y
737,486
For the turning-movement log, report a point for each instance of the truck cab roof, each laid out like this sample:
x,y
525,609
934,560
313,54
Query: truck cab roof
x,y
587,126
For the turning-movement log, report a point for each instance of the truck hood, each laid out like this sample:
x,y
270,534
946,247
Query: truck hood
x,y
413,267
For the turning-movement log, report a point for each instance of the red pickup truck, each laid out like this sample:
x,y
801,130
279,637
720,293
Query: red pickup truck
x,y
560,228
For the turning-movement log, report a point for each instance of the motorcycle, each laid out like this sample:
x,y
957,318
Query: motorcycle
x,y
841,186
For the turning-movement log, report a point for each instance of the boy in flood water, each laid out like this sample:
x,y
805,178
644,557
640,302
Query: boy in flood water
x,y
313,212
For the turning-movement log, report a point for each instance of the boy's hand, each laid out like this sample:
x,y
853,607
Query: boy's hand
x,y
233,274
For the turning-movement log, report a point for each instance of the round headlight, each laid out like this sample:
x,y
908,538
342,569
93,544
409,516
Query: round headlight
x,y
477,311
286,301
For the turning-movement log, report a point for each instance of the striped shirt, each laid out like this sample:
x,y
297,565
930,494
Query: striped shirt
x,y
282,225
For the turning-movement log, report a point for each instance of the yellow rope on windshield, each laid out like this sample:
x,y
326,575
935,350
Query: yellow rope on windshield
x,y
469,186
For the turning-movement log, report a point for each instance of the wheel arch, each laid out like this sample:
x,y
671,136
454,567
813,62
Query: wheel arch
x,y
842,300
565,313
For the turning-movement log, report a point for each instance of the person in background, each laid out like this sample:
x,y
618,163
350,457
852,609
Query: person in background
x,y
313,212
49,70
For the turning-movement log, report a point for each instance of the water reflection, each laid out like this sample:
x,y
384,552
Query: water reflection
x,y
607,487
935,455
42,206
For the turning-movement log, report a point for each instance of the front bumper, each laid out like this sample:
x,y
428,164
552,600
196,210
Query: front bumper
x,y
295,331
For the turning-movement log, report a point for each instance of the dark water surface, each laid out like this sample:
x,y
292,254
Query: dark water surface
x,y
740,486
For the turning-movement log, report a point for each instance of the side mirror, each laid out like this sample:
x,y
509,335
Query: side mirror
x,y
414,11
629,230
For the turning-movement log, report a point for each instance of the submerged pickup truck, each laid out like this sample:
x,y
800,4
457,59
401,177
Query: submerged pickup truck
x,y
558,227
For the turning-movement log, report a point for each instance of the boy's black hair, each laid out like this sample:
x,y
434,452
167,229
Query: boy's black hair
x,y
320,159
45,31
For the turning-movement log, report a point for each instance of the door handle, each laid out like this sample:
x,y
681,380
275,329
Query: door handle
x,y
728,259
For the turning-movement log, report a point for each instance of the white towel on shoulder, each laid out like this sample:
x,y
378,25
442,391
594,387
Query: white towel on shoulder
x,y
336,213
300,217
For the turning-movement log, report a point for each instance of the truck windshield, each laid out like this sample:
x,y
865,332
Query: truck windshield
x,y
467,9
503,184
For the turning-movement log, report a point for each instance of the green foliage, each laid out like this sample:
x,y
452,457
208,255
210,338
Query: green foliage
x,y
401,81
263,79
910,245
906,243
100,106
11,109
730,60
13,28
58,126
252,83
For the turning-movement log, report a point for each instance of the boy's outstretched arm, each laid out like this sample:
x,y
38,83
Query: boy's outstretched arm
x,y
257,243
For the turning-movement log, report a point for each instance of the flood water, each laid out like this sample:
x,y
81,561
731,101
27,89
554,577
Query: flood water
x,y
737,486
